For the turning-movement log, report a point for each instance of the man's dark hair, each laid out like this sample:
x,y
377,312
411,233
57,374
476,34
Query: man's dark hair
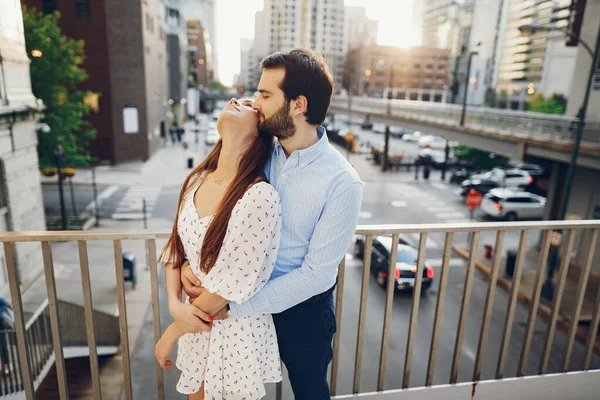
x,y
306,74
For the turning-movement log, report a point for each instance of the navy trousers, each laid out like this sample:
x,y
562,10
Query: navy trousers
x,y
305,333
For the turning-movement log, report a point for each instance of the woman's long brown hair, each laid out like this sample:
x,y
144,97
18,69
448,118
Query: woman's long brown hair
x,y
250,170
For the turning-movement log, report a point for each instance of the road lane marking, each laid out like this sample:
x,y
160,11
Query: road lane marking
x,y
399,203
456,214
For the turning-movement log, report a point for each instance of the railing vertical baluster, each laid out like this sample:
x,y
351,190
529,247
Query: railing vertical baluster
x,y
591,340
464,309
89,317
564,268
439,308
489,303
535,302
389,299
16,373
362,314
512,304
118,252
583,279
61,373
17,305
414,311
5,362
339,295
160,386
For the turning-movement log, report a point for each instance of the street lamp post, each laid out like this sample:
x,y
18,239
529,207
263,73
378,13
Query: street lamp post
x,y
386,147
96,213
58,152
467,82
548,288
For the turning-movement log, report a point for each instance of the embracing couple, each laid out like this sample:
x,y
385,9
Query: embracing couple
x,y
261,227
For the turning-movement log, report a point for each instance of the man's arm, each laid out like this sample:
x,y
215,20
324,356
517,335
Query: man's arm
x,y
190,318
328,246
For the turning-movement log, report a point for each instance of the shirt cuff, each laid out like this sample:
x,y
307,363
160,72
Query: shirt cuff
x,y
240,310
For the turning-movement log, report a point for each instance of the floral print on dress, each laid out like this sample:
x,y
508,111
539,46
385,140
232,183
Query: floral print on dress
x,y
238,355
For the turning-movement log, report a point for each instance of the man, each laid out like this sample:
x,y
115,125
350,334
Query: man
x,y
320,198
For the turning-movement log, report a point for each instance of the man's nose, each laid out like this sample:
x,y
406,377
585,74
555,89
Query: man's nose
x,y
233,101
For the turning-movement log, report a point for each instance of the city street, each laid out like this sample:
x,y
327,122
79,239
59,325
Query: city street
x,y
389,198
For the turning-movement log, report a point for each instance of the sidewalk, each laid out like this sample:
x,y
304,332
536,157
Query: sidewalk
x,y
166,168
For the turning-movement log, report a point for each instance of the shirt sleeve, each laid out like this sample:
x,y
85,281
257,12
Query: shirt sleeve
x,y
249,250
318,272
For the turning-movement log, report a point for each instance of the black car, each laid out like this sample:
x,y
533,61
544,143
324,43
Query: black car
x,y
406,263
481,185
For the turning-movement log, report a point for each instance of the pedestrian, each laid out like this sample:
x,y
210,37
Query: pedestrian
x,y
320,202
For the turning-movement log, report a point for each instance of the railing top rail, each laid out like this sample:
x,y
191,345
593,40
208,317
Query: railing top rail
x,y
383,229
414,104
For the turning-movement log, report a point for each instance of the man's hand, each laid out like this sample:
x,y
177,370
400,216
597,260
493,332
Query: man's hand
x,y
190,318
190,282
221,314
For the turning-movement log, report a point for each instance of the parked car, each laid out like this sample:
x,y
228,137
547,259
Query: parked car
x,y
212,137
406,263
515,178
533,169
437,156
215,114
412,137
512,205
459,176
479,184
366,124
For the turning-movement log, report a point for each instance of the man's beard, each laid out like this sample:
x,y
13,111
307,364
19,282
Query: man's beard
x,y
280,124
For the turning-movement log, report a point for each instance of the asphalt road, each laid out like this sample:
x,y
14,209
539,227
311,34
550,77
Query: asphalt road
x,y
397,198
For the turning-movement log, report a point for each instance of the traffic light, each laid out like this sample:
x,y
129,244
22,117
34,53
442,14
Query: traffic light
x,y
576,9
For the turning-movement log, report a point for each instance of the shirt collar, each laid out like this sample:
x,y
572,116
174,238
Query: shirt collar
x,y
308,155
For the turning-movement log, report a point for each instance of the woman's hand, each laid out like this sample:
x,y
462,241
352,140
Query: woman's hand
x,y
190,282
190,318
163,348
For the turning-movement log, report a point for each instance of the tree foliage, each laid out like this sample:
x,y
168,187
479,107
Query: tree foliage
x,y
479,159
555,104
56,71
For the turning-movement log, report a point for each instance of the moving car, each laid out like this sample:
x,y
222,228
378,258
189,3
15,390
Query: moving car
x,y
379,127
406,263
412,137
511,205
212,137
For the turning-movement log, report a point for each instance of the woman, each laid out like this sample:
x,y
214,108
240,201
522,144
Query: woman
x,y
228,227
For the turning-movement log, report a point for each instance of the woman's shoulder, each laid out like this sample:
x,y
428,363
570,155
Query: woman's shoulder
x,y
259,194
263,191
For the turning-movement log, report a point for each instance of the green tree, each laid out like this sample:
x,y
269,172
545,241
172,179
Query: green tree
x,y
479,159
56,72
555,104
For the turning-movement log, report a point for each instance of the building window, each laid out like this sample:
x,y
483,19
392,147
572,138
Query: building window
x,y
48,6
82,10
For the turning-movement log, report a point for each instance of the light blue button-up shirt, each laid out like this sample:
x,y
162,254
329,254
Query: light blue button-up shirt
x,y
321,197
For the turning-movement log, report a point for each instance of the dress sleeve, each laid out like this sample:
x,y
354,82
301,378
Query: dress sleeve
x,y
249,251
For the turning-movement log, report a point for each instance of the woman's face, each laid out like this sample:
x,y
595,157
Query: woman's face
x,y
238,118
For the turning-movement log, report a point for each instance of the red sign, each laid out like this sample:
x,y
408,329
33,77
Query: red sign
x,y
473,199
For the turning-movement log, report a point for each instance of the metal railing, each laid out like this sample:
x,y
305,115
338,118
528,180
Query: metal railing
x,y
37,339
512,124
450,231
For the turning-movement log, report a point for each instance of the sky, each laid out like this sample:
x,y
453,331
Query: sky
x,y
235,20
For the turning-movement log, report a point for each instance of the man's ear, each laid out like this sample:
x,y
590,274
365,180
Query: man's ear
x,y
300,105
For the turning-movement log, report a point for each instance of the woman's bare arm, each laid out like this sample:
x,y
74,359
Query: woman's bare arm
x,y
210,303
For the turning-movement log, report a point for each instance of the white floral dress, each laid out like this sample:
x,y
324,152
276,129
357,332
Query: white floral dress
x,y
238,355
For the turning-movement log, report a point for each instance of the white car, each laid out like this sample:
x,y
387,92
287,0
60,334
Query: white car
x,y
511,205
515,178
379,127
215,114
412,137
212,137
435,142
